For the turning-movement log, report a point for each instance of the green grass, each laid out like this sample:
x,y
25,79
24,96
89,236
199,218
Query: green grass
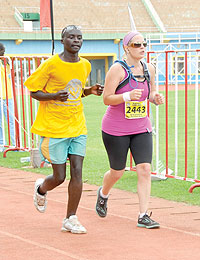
x,y
96,162
181,132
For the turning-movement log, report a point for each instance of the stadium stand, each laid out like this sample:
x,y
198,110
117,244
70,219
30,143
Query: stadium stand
x,y
93,16
7,19
101,16
179,15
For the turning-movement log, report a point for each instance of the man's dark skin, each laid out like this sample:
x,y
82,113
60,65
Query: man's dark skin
x,y
2,49
2,52
72,42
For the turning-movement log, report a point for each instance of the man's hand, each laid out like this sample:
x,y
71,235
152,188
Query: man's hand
x,y
61,95
97,89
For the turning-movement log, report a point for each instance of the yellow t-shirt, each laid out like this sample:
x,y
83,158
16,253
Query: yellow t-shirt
x,y
3,82
54,118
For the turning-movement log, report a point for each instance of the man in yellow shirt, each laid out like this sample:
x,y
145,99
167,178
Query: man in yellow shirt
x,y
6,99
59,85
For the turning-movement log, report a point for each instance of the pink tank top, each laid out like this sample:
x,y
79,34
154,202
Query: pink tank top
x,y
114,121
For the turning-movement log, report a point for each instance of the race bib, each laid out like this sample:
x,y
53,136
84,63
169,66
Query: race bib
x,y
135,109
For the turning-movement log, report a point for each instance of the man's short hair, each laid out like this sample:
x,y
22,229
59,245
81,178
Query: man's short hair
x,y
2,46
69,28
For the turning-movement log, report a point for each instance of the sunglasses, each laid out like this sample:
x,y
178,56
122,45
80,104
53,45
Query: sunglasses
x,y
138,44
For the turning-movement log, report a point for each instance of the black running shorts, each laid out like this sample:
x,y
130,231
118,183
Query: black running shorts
x,y
117,149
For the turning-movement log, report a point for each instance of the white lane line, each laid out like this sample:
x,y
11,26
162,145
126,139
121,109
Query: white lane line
x,y
50,248
111,214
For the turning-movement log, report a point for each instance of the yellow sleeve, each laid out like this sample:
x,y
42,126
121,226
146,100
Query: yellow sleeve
x,y
88,68
39,78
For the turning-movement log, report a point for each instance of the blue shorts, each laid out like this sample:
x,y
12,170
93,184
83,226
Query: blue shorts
x,y
56,150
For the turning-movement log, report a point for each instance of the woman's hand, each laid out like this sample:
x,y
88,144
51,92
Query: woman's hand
x,y
158,99
136,94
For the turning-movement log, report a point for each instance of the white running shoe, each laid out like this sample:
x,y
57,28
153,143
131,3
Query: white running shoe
x,y
72,225
40,201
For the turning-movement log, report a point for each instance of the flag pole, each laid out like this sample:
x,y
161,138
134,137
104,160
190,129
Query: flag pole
x,y
133,27
52,26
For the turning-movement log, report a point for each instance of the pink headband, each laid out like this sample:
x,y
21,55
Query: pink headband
x,y
129,36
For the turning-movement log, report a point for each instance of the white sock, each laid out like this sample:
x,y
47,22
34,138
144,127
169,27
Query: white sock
x,y
102,195
142,215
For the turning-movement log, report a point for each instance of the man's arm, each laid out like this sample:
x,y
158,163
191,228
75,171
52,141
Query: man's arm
x,y
61,95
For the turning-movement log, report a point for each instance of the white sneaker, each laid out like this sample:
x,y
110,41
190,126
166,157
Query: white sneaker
x,y
40,201
72,225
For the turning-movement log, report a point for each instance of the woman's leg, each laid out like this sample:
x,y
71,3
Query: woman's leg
x,y
117,149
141,149
144,185
144,190
110,178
